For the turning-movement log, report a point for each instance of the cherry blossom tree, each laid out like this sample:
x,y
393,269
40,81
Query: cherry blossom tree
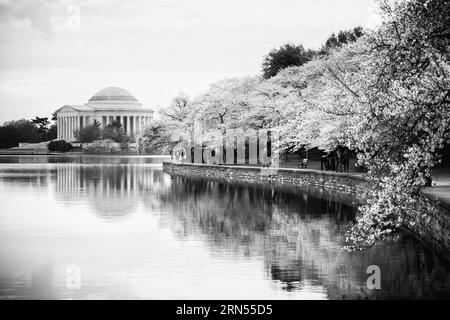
x,y
385,95
226,101
407,112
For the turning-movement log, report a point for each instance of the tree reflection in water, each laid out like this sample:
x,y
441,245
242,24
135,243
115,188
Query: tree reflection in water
x,y
299,237
297,234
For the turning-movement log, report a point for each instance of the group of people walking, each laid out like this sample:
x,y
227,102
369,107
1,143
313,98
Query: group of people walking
x,y
337,160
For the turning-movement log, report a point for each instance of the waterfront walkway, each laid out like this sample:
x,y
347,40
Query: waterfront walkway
x,y
440,189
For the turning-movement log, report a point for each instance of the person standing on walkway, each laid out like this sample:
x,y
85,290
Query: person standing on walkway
x,y
338,160
331,162
324,162
345,159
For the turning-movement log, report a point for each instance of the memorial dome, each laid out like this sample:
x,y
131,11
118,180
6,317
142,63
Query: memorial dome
x,y
113,94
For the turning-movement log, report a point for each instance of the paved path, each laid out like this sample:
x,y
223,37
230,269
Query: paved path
x,y
441,186
313,164
439,191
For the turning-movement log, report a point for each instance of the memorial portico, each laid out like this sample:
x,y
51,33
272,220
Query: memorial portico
x,y
107,105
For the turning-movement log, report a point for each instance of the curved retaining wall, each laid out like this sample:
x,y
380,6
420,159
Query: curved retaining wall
x,y
342,183
432,227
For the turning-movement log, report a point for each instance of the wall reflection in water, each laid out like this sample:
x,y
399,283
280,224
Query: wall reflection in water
x,y
300,237
295,235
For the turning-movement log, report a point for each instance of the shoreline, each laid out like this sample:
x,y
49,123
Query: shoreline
x,y
431,227
346,184
81,154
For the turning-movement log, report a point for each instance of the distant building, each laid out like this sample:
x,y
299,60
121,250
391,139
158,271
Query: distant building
x,y
107,105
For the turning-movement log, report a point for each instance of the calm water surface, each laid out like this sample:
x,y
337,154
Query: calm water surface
x,y
135,232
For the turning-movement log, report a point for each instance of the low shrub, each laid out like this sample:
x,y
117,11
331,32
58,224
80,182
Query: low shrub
x,y
59,146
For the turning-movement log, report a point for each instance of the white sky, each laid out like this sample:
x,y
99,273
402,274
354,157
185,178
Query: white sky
x,y
51,56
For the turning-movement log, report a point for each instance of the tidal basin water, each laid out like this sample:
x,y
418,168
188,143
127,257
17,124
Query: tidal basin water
x,y
121,228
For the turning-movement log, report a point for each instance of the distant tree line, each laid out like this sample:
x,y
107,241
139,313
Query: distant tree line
x,y
42,129
32,131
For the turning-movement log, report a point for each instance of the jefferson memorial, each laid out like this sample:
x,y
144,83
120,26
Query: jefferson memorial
x,y
107,105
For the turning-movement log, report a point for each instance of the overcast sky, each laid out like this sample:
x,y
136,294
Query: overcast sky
x,y
62,52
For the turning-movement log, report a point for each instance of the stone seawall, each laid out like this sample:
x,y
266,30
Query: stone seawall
x,y
432,227
341,183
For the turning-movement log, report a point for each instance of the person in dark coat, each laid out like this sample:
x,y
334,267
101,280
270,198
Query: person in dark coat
x,y
345,160
331,160
338,160
324,162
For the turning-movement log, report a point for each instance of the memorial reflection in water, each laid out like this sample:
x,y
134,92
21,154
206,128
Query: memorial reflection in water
x,y
284,242
111,190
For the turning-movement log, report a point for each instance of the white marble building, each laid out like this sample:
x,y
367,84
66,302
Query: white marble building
x,y
105,106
